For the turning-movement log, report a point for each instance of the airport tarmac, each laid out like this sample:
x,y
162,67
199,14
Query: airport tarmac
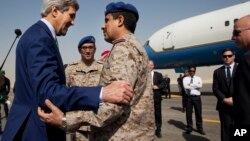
x,y
174,120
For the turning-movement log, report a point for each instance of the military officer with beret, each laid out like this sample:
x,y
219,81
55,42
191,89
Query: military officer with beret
x,y
127,60
85,72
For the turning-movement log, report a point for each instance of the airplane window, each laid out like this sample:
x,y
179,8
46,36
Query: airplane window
x,y
227,23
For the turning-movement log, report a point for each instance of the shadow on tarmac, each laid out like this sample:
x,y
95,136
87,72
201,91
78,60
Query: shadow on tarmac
x,y
187,137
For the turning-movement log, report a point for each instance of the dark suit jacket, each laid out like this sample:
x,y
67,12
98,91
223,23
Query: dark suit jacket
x,y
40,75
241,94
158,81
221,88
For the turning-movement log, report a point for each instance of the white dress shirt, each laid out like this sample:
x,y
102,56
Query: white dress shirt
x,y
194,87
231,68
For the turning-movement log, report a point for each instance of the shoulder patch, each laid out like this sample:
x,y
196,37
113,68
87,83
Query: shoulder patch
x,y
72,64
118,41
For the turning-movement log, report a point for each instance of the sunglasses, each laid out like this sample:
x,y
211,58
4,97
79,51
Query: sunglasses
x,y
191,71
227,56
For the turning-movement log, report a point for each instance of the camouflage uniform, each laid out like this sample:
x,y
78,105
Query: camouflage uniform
x,y
127,61
79,74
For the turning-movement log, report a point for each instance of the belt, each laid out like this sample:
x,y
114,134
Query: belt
x,y
193,95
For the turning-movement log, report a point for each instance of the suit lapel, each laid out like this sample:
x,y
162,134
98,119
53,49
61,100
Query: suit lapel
x,y
44,26
234,69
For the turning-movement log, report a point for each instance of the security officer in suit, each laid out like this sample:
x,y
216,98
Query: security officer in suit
x,y
192,85
158,85
223,90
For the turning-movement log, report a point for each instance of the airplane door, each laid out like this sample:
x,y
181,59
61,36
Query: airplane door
x,y
168,40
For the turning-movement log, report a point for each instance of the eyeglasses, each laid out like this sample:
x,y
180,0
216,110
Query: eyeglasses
x,y
227,56
87,47
191,71
237,32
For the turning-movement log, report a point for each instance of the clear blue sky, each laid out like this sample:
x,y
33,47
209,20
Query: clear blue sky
x,y
154,15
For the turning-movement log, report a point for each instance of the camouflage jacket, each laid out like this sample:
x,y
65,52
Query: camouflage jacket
x,y
79,74
127,61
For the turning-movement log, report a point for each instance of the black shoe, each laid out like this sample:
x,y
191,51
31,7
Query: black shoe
x,y
201,132
183,110
158,134
188,131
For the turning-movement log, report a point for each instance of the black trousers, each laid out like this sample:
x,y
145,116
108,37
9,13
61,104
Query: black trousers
x,y
158,117
226,121
184,99
194,101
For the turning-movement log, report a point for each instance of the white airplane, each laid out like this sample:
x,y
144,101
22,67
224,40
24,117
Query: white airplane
x,y
198,40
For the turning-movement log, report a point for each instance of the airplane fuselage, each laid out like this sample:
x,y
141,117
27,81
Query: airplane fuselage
x,y
198,40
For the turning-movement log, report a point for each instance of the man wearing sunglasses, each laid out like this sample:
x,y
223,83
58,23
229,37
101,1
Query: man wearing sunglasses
x,y
192,85
241,95
223,90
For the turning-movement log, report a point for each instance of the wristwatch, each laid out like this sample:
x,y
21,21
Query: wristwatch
x,y
64,123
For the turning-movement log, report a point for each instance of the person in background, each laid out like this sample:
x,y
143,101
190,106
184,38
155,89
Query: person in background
x,y
179,83
241,95
104,55
183,92
40,75
4,92
158,85
223,90
166,89
128,61
85,72
192,85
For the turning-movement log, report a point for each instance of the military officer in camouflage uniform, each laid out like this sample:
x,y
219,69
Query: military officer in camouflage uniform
x,y
128,61
85,72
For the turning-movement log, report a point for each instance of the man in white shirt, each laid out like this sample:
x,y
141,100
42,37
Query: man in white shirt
x,y
192,85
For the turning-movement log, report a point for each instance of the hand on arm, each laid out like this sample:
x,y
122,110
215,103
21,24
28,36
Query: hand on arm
x,y
54,117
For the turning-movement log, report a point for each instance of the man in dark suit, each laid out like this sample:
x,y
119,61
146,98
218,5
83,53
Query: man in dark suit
x,y
158,85
40,75
166,89
223,90
241,95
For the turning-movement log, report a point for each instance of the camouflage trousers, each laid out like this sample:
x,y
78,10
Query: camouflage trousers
x,y
80,135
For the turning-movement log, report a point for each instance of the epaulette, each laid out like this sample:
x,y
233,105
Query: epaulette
x,y
72,64
99,61
118,41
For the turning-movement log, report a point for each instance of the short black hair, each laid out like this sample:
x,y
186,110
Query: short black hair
x,y
191,66
227,49
130,20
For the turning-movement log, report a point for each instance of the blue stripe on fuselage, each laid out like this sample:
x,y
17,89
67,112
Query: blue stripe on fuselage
x,y
204,55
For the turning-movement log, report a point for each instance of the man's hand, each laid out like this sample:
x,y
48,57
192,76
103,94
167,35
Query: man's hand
x,y
155,87
117,92
54,118
228,101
